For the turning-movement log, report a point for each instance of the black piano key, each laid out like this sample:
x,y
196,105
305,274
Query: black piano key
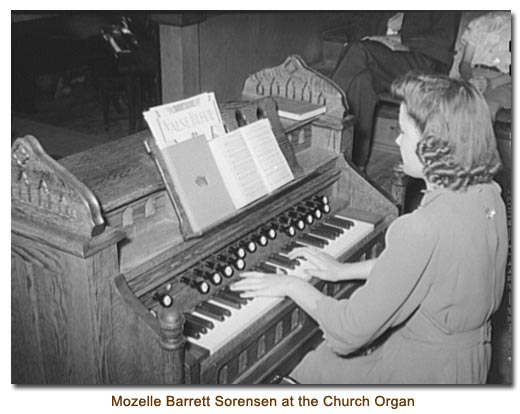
x,y
235,294
323,233
283,261
192,333
266,268
295,261
340,222
209,314
313,240
227,301
195,326
213,311
338,231
199,321
290,247
344,220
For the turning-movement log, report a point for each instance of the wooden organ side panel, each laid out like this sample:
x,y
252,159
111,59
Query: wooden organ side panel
x,y
71,323
74,321
59,312
41,189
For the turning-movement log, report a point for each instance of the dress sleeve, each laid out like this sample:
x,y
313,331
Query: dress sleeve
x,y
391,292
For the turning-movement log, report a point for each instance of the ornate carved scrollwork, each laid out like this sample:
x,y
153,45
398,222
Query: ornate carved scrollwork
x,y
295,80
44,191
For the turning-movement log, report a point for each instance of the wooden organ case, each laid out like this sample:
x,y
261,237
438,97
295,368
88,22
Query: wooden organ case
x,y
96,239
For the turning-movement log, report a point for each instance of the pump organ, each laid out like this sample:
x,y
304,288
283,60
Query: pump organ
x,y
105,288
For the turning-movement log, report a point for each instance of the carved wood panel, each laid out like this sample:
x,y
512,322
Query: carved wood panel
x,y
44,191
293,79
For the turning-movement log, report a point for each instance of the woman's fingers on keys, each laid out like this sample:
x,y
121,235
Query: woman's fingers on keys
x,y
248,280
252,273
319,273
302,252
312,255
245,284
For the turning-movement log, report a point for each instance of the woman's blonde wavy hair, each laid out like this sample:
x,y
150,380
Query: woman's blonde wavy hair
x,y
458,145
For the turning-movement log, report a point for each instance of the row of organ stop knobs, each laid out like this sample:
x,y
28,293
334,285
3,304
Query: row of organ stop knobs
x,y
213,270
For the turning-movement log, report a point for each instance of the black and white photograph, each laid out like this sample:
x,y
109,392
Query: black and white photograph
x,y
278,198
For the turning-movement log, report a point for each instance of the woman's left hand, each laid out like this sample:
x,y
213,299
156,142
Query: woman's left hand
x,y
255,284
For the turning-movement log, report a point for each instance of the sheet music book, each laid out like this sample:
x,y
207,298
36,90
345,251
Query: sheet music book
x,y
212,178
198,182
181,120
298,110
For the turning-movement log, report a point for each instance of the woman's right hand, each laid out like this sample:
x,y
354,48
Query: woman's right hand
x,y
324,266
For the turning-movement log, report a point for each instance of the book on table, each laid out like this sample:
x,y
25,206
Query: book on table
x,y
298,110
213,175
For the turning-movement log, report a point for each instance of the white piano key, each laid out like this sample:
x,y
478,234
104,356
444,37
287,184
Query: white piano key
x,y
225,330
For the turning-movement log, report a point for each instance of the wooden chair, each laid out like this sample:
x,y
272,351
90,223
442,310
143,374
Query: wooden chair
x,y
293,79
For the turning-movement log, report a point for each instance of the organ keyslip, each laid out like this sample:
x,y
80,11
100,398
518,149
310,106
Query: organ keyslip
x,y
106,288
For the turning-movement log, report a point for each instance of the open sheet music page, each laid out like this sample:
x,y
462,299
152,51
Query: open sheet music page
x,y
267,155
237,168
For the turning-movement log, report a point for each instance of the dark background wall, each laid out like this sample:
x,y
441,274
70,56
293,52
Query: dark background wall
x,y
232,46
229,45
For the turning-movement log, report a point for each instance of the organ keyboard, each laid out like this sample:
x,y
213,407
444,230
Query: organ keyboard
x,y
106,288
212,332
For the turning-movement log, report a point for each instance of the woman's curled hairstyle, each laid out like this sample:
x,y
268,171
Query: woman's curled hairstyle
x,y
458,146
